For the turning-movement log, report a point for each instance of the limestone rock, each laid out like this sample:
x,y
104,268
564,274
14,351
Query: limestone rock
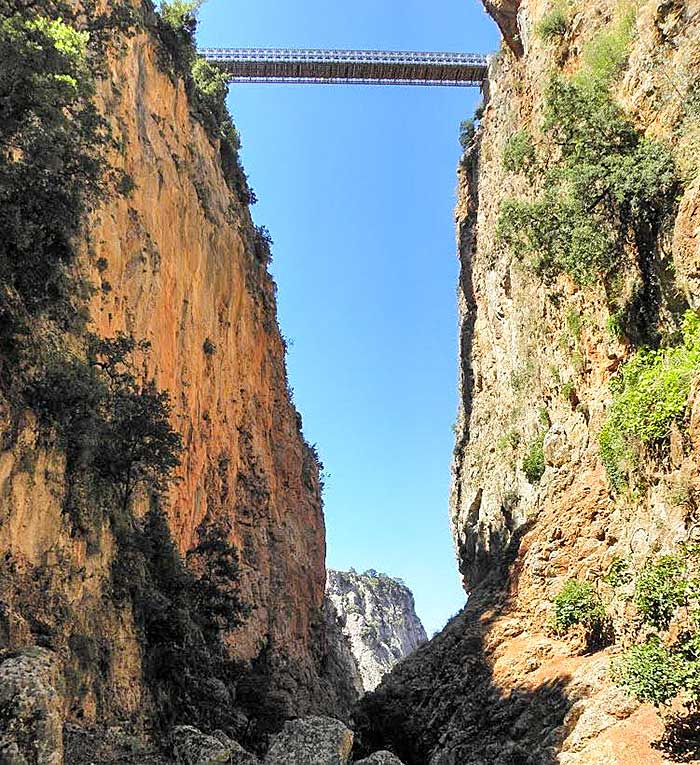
x,y
378,618
555,447
311,741
192,747
341,660
31,708
380,758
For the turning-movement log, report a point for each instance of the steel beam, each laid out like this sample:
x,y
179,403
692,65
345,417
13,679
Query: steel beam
x,y
354,67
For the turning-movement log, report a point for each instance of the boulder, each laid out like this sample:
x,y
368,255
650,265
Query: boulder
x,y
31,708
192,747
556,447
380,758
311,741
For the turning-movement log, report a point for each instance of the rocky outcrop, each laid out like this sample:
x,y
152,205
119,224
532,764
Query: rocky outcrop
x,y
340,654
192,747
317,740
380,758
378,619
31,708
532,506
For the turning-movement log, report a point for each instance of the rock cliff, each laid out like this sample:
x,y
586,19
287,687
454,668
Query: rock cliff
x,y
377,617
567,503
169,256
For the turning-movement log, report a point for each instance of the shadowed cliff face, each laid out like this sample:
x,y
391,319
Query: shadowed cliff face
x,y
175,262
532,504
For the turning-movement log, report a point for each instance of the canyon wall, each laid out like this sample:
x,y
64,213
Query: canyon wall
x,y
543,495
176,261
378,618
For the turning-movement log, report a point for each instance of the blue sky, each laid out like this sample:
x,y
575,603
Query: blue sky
x,y
357,187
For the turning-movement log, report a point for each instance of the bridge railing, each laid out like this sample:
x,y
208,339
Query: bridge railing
x,y
340,56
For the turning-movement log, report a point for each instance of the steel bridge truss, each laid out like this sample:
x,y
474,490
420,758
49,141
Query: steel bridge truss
x,y
356,67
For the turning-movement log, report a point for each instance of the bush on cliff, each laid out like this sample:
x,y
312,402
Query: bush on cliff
x,y
660,589
578,603
605,184
113,421
555,24
533,461
519,152
51,158
207,87
665,668
182,612
608,183
652,672
650,396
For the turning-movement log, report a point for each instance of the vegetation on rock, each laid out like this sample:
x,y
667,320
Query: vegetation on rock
x,y
661,588
182,612
578,603
519,152
533,461
666,666
555,24
605,184
52,143
206,86
650,397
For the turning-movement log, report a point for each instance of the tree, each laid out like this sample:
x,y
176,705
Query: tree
x,y
216,596
51,152
137,442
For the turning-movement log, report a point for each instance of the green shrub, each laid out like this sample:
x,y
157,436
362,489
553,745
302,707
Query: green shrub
x,y
206,86
509,440
574,323
578,603
605,55
52,144
650,395
667,665
618,573
652,672
614,325
263,244
182,612
605,183
211,89
533,461
466,133
181,14
554,24
660,589
557,234
519,152
111,420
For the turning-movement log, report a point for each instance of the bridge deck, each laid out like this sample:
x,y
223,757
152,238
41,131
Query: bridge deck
x,y
348,66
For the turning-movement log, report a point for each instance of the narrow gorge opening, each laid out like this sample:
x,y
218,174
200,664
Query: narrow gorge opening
x,y
356,186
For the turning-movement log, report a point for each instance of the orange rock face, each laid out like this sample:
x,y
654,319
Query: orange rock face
x,y
175,264
178,269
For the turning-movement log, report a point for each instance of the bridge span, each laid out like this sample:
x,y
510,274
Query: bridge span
x,y
354,67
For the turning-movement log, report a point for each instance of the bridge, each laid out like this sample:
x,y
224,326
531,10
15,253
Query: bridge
x,y
354,67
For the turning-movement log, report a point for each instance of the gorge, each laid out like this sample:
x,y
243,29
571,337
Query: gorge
x,y
162,535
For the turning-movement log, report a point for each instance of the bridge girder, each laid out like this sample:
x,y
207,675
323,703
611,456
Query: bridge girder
x,y
289,65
